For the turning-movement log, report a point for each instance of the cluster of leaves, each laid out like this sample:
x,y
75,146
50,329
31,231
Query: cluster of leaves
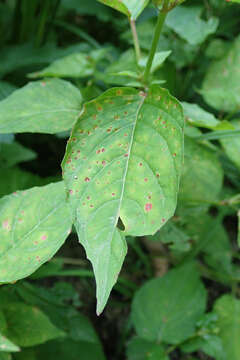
x,y
123,180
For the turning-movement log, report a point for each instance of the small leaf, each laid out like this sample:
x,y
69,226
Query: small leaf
x,y
12,154
48,106
158,60
196,116
221,85
33,225
131,8
28,326
77,65
7,345
187,23
202,175
141,349
228,310
128,147
166,309
231,145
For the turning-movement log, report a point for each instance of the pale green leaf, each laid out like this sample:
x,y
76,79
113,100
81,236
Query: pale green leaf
x,y
231,145
7,345
221,85
166,309
33,225
141,349
228,310
28,326
48,106
76,65
128,147
158,60
187,23
236,1
202,174
12,154
131,8
197,116
171,2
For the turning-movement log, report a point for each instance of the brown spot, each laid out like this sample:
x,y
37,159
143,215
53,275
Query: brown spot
x,y
140,164
145,179
104,162
113,194
148,206
87,179
126,155
103,149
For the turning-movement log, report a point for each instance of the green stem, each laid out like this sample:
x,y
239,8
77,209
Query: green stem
x,y
161,19
135,39
42,23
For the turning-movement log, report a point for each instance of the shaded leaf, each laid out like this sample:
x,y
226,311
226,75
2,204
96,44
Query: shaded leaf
x,y
228,310
202,175
231,145
47,106
6,89
187,23
221,85
123,129
166,309
197,116
141,349
12,154
28,326
131,8
34,224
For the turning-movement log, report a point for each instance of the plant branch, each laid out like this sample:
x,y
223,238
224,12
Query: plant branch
x,y
161,19
135,39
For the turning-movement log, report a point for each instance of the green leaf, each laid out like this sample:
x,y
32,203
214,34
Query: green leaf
x,y
7,345
196,116
221,85
232,145
131,8
218,135
202,175
166,309
48,106
141,349
171,2
34,224
228,310
238,214
158,60
187,23
77,65
5,356
12,154
236,1
133,158
6,89
28,326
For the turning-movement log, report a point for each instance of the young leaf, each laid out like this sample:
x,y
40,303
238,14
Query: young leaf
x,y
196,116
228,310
187,23
166,309
123,160
48,106
77,65
7,345
131,8
34,224
221,85
232,145
28,326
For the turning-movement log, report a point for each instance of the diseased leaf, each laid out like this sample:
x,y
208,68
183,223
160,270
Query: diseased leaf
x,y
140,349
196,116
28,326
221,85
228,310
166,309
187,23
7,345
128,147
202,175
33,225
232,145
48,106
131,8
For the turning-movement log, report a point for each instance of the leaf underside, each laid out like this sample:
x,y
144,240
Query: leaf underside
x,y
123,160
